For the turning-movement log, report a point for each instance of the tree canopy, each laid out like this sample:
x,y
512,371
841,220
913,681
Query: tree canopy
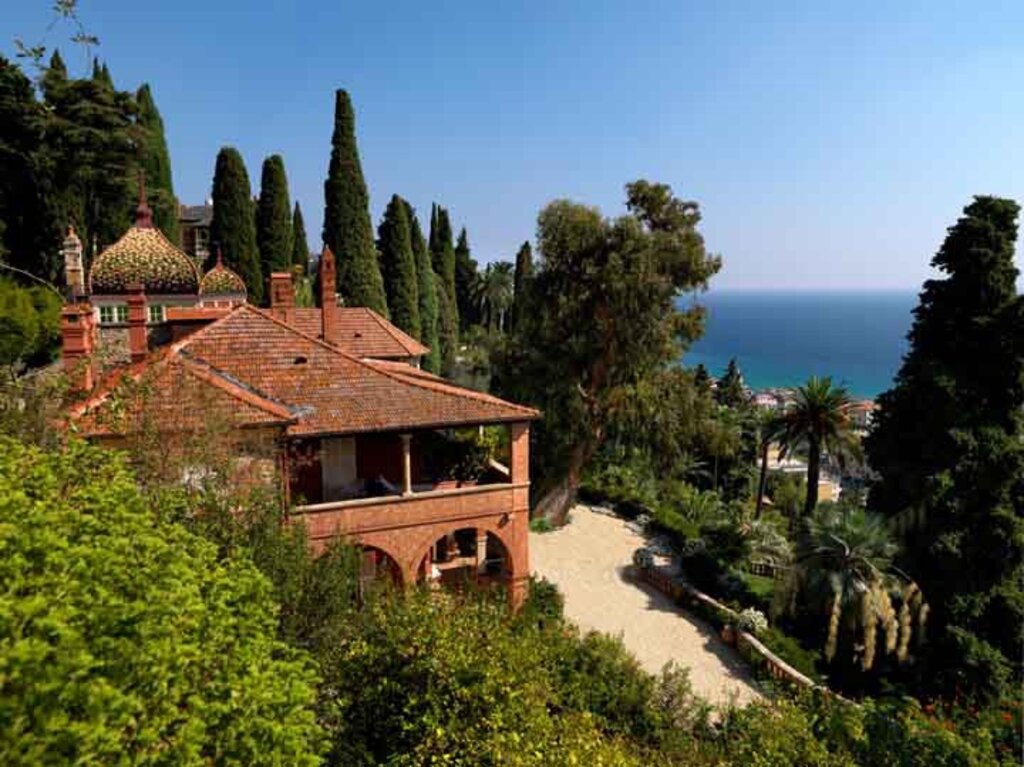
x,y
347,227
300,246
521,283
604,296
948,448
156,165
274,218
398,266
233,228
426,293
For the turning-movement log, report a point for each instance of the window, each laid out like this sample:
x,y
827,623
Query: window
x,y
111,315
156,313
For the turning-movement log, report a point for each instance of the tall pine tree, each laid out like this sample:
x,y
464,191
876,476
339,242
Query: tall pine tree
x,y
30,231
300,246
233,228
521,283
948,448
426,291
466,276
274,218
156,164
398,266
447,329
91,131
347,227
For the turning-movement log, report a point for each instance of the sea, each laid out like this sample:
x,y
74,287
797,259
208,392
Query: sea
x,y
781,338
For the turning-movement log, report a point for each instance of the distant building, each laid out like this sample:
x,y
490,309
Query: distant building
x,y
861,413
195,230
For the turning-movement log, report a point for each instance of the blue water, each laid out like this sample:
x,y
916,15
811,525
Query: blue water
x,y
783,338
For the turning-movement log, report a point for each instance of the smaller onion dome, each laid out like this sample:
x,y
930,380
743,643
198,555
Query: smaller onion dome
x,y
221,281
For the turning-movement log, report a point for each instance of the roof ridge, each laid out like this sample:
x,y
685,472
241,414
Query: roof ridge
x,y
394,331
467,393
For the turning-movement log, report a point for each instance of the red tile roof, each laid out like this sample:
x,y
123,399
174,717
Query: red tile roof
x,y
361,332
273,367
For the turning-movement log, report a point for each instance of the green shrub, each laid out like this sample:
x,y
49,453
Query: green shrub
x,y
790,650
123,638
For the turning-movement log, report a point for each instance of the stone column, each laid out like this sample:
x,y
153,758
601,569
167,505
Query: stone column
x,y
481,551
406,464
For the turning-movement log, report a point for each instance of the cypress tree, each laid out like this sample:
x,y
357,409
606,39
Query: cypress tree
x,y
426,291
300,247
233,228
948,447
731,392
347,227
274,218
465,282
398,266
447,328
521,282
156,164
442,252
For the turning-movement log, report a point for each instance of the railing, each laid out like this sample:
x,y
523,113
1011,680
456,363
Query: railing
x,y
747,645
358,515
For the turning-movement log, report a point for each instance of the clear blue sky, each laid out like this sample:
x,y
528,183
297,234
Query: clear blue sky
x,y
828,144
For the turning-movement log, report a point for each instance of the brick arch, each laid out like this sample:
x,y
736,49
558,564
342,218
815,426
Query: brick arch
x,y
418,549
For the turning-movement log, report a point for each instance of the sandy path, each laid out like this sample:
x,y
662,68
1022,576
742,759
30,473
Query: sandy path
x,y
588,560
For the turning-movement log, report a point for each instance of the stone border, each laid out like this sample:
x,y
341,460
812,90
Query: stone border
x,y
746,644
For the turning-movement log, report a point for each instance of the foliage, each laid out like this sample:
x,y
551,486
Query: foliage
x,y
731,390
948,448
274,218
818,419
93,151
426,293
433,677
843,570
300,246
605,297
521,284
125,638
398,266
155,163
348,231
233,228
752,620
540,525
492,294
442,255
465,283
29,324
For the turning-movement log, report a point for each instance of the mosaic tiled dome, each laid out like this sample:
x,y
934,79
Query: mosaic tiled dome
x,y
145,256
221,281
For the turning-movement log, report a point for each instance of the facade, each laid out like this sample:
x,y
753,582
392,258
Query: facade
x,y
194,222
367,446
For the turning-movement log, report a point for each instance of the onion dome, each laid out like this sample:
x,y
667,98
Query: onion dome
x,y
220,281
143,255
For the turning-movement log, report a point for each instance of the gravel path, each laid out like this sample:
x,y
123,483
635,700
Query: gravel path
x,y
589,560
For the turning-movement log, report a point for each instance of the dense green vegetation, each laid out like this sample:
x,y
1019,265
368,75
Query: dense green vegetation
x,y
347,228
398,266
29,320
274,218
233,228
948,446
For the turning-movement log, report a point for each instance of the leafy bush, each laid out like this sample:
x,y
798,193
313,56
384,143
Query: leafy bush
x,y
790,650
752,621
540,525
123,638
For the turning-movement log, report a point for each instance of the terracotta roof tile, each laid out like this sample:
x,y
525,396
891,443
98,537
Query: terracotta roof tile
x,y
362,332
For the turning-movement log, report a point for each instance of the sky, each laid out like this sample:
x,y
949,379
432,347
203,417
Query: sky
x,y
828,144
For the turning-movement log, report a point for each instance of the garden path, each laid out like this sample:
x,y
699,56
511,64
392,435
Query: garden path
x,y
589,560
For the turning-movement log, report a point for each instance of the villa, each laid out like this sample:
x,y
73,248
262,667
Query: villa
x,y
366,445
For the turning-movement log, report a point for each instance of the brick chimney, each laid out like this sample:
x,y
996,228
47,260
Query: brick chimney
x,y
77,338
74,273
282,296
328,296
138,343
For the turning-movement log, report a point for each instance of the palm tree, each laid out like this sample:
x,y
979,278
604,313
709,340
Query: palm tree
x,y
818,420
769,426
844,569
494,293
